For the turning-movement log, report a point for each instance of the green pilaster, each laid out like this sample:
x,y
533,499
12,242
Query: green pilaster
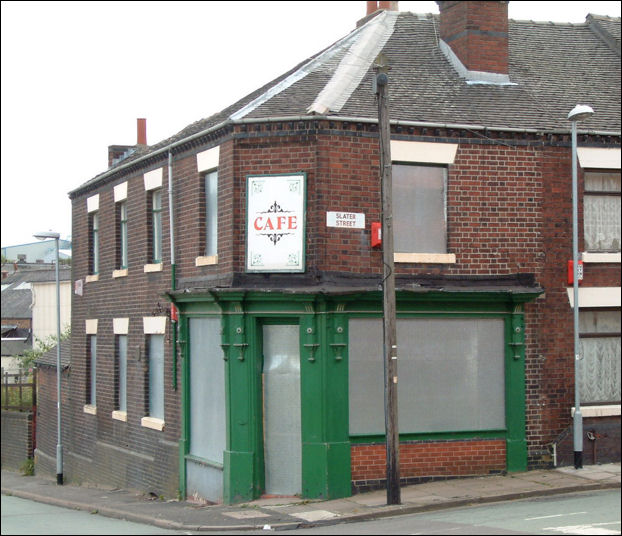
x,y
185,402
240,456
325,443
516,443
312,404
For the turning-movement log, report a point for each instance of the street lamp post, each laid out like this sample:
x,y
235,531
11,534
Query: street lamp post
x,y
578,113
46,235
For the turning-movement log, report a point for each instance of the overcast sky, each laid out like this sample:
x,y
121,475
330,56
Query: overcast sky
x,y
77,75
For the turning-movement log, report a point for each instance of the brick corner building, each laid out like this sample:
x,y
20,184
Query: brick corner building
x,y
227,337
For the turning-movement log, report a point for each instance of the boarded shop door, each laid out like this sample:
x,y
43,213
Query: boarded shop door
x,y
281,406
207,425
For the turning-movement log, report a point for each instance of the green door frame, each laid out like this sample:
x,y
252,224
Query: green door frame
x,y
326,472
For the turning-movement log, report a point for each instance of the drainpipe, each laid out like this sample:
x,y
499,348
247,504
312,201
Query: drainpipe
x,y
173,265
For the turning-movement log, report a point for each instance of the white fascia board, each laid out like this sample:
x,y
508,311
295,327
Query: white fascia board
x,y
596,296
153,179
207,160
423,152
120,192
596,158
92,203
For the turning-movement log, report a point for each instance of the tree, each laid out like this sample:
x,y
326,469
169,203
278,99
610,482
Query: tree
x,y
41,346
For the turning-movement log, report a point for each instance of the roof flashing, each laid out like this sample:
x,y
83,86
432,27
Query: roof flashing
x,y
473,77
355,64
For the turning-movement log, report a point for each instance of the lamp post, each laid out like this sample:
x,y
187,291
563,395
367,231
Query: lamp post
x,y
46,235
578,113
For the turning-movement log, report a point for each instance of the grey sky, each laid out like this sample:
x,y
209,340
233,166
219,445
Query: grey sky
x,y
76,75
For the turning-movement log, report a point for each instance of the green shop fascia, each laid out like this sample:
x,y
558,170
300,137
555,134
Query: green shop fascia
x,y
277,384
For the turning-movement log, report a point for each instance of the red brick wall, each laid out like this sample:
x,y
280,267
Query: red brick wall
x,y
509,212
431,459
137,295
471,29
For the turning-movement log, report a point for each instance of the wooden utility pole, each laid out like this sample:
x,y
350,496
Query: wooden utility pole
x,y
388,286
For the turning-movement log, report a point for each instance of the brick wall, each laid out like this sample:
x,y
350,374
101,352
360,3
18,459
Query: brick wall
x,y
17,440
477,33
509,210
100,448
427,460
601,442
46,422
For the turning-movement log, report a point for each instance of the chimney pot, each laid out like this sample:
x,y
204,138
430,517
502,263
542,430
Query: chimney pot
x,y
142,132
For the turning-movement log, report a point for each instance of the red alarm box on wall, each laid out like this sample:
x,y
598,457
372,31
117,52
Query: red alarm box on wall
x,y
571,272
376,234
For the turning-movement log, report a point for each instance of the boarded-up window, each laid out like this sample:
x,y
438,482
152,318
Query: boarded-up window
x,y
419,210
451,375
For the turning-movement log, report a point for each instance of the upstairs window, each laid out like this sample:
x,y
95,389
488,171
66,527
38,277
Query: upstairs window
x,y
419,209
156,226
94,243
211,213
122,235
601,211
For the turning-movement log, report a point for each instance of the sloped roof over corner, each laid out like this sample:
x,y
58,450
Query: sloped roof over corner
x,y
607,28
552,67
49,358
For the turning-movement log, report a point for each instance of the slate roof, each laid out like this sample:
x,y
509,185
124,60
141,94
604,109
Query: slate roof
x,y
552,67
16,302
15,341
49,357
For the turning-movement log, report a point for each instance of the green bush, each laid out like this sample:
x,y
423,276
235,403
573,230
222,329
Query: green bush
x,y
28,467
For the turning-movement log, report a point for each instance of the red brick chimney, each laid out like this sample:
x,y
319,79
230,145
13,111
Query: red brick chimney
x,y
116,153
477,32
142,132
375,5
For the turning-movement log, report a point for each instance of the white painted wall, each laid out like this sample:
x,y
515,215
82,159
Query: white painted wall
x,y
44,308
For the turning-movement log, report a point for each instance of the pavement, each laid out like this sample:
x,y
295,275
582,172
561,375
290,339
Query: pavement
x,y
292,512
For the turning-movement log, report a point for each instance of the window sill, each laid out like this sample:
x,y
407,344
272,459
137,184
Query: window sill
x,y
157,267
119,273
90,409
153,423
119,415
91,278
206,261
425,258
611,410
600,257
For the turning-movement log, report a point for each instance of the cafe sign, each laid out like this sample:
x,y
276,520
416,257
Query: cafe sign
x,y
275,225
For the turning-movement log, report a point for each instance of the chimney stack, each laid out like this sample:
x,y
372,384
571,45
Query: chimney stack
x,y
477,32
116,153
375,5
142,132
